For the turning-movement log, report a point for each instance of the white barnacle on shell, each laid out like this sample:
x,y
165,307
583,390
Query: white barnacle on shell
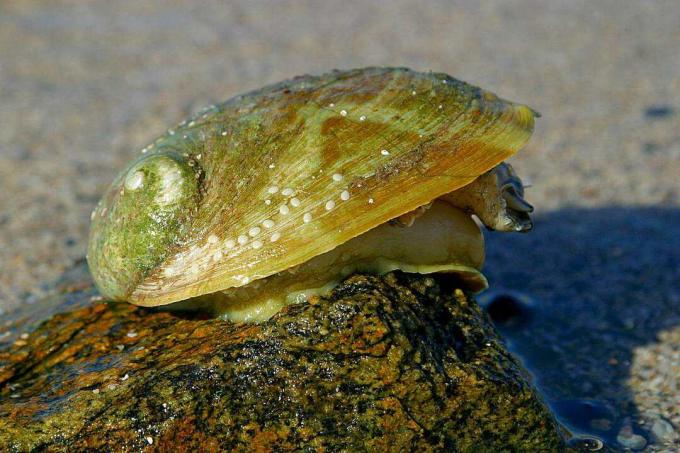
x,y
134,180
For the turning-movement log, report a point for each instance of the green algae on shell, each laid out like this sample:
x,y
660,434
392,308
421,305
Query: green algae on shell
x,y
272,179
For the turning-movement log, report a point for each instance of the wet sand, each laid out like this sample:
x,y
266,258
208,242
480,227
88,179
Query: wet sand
x,y
85,86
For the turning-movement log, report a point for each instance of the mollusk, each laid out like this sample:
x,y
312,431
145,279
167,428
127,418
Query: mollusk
x,y
279,193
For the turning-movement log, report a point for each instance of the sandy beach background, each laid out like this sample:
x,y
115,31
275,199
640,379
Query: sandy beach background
x,y
85,85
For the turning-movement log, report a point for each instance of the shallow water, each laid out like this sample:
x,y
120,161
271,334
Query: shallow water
x,y
575,299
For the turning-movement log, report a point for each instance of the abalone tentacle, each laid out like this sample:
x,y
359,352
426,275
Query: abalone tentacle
x,y
496,198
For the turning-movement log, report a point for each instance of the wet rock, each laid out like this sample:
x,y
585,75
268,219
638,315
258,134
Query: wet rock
x,y
662,430
394,363
627,438
586,444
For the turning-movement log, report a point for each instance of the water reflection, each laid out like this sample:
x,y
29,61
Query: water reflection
x,y
576,296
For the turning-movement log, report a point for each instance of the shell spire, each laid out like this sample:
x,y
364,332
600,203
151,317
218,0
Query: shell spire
x,y
275,177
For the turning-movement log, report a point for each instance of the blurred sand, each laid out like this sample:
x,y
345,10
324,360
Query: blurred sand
x,y
85,85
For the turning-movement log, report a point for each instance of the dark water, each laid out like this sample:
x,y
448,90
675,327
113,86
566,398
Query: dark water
x,y
575,297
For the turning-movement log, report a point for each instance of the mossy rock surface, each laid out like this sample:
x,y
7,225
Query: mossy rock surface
x,y
398,363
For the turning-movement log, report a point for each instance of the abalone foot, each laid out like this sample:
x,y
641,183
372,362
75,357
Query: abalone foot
x,y
442,239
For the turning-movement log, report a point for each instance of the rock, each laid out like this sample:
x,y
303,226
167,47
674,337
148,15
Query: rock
x,y
662,429
627,438
400,362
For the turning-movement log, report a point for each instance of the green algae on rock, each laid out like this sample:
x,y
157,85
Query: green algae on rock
x,y
395,363
259,186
